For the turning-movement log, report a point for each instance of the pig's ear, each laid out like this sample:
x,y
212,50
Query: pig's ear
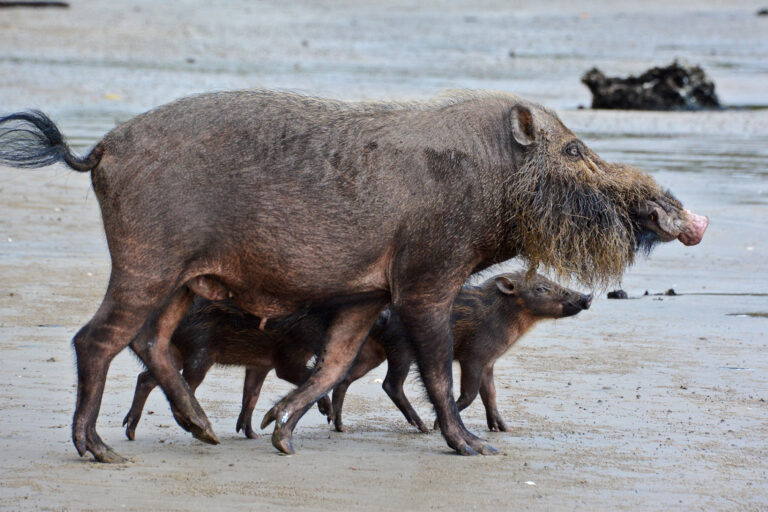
x,y
523,129
505,285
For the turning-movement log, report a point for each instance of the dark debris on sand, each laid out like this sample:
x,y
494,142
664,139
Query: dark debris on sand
x,y
618,294
674,87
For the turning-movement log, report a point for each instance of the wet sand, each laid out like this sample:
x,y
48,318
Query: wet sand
x,y
652,403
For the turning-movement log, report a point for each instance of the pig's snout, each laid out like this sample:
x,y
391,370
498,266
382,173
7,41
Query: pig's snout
x,y
586,301
693,231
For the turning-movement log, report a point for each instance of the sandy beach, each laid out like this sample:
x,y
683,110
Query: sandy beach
x,y
654,403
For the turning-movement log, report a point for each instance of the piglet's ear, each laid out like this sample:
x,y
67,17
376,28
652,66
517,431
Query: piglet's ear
x,y
505,285
523,129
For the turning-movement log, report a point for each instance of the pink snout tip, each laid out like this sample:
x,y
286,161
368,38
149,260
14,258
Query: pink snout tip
x,y
694,229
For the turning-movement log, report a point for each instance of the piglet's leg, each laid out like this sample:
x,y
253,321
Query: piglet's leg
x,y
254,378
370,356
364,363
145,383
397,372
344,338
488,395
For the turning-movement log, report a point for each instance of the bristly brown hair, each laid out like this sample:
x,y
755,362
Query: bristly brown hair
x,y
578,226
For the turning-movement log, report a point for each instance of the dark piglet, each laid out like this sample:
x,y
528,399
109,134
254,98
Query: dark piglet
x,y
287,201
221,333
487,320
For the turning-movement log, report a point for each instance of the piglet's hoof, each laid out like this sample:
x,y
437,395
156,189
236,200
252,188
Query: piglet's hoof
x,y
416,422
249,433
498,426
244,424
325,407
130,430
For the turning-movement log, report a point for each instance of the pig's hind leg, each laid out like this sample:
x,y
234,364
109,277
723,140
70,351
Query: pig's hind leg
x,y
124,314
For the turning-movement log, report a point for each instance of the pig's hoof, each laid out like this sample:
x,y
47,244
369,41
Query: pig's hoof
x,y
103,453
282,442
465,449
241,422
269,417
465,443
206,435
197,424
482,447
487,449
87,440
130,432
339,425
436,426
111,457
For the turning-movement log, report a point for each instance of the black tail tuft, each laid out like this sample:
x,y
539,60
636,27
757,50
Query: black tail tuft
x,y
31,140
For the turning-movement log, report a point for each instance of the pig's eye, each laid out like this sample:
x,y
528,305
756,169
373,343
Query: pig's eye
x,y
654,217
572,149
541,289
